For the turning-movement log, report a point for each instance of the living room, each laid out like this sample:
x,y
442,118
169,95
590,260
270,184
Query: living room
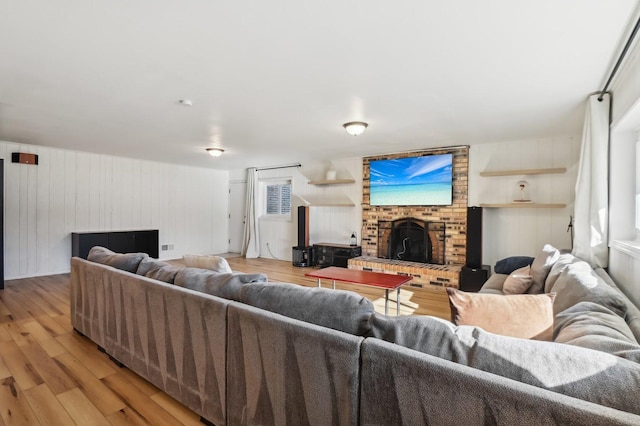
x,y
120,153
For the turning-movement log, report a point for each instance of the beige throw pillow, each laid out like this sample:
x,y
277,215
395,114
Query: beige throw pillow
x,y
518,281
212,263
526,316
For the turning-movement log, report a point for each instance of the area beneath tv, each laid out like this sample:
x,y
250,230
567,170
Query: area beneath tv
x,y
423,274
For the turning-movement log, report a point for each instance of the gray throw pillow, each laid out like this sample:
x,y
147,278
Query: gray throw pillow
x,y
337,309
564,260
217,284
582,373
593,326
541,266
158,270
126,262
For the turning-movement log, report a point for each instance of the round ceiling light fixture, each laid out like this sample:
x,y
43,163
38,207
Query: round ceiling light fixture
x,y
355,128
215,152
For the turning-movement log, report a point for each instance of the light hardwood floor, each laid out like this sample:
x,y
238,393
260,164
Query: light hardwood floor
x,y
51,375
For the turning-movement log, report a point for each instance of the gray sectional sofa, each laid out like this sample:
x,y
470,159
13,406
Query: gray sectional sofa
x,y
238,350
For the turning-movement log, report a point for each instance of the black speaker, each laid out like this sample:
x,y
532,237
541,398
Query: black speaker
x,y
472,279
474,237
303,226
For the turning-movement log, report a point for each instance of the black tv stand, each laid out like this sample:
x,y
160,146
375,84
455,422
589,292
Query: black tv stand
x,y
328,254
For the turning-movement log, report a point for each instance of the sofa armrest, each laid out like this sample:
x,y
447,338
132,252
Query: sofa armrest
x,y
494,284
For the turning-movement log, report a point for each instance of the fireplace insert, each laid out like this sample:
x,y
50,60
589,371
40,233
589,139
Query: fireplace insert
x,y
411,240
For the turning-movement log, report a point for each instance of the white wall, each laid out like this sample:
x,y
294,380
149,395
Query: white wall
x,y
507,232
77,192
523,231
326,224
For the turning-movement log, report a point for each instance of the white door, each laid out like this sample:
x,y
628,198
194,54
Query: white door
x,y
237,202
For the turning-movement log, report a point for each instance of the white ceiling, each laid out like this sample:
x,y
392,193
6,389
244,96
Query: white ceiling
x,y
273,81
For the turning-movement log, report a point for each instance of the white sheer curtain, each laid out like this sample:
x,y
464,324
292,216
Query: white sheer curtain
x,y
251,237
592,192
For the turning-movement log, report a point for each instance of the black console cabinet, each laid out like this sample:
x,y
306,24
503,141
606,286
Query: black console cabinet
x,y
144,241
325,254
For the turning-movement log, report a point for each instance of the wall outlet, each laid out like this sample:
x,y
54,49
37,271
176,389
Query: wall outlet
x,y
170,246
164,247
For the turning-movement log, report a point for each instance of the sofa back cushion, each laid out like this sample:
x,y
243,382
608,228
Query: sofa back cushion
x,y
158,270
341,310
578,282
593,326
213,263
126,262
632,316
582,373
222,285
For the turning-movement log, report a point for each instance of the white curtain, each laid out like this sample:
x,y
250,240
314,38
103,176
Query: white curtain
x,y
251,236
592,193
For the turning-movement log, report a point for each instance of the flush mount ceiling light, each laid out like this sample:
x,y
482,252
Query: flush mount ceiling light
x,y
355,128
215,152
186,102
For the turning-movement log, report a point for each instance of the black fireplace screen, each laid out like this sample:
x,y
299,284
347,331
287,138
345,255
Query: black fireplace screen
x,y
412,240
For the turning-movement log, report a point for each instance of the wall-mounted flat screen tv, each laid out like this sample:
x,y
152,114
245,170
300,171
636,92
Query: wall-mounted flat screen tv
x,y
412,181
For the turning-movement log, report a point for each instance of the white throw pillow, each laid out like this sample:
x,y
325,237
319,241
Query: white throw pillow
x,y
213,263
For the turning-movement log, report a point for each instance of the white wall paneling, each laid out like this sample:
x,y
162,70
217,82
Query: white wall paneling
x,y
326,223
509,232
625,270
80,192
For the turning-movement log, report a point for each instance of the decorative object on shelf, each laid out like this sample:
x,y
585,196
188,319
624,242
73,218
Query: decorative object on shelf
x,y
215,152
522,192
355,128
331,174
353,240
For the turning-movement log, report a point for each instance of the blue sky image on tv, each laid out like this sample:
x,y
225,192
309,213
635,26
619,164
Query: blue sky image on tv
x,y
412,181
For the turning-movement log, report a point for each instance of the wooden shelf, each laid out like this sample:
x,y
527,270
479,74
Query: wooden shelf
x,y
524,172
331,182
524,206
332,205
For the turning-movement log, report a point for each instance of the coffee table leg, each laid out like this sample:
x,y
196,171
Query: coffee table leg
x,y
334,284
386,301
319,285
398,303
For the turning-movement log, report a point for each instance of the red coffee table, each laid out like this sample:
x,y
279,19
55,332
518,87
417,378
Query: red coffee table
x,y
368,278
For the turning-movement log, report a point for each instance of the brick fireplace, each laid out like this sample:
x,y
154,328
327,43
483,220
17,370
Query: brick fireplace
x,y
450,222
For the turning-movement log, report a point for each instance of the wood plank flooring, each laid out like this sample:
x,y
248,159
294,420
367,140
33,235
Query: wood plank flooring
x,y
51,375
413,301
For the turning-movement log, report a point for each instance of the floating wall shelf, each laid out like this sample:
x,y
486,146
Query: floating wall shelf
x,y
331,182
524,206
332,205
524,172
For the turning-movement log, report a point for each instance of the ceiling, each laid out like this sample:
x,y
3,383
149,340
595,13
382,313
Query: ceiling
x,y
272,82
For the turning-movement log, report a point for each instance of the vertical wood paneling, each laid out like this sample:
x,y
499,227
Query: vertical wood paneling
x,y
43,207
326,224
75,192
508,232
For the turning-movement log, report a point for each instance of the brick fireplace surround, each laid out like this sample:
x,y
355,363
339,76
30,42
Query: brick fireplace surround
x,y
454,217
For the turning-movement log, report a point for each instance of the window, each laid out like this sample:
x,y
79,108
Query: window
x,y
277,196
638,186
